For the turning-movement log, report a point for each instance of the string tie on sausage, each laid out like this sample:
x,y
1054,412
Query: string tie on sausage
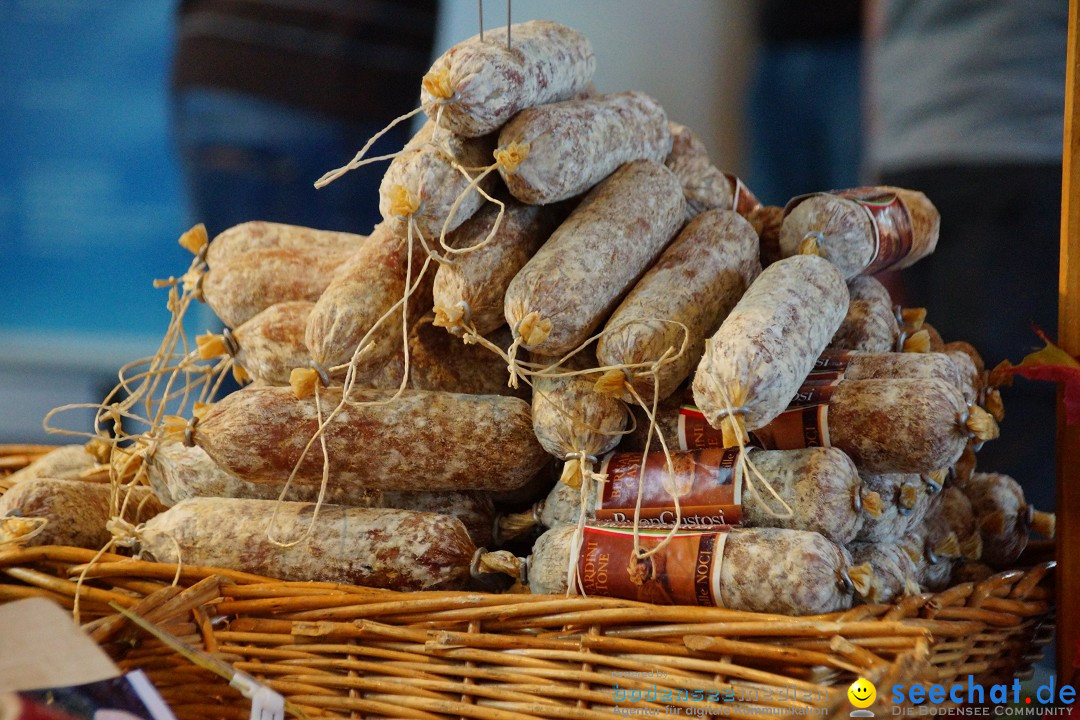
x,y
189,431
18,530
510,156
359,159
438,84
812,244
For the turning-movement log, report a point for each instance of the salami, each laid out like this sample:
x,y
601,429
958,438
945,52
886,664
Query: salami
x,y
870,324
177,472
889,365
422,184
573,421
771,570
1003,517
820,484
365,289
422,441
898,425
573,145
259,235
66,462
863,230
477,85
441,361
904,503
268,346
567,289
693,286
241,287
77,513
472,288
394,549
767,345
895,575
957,513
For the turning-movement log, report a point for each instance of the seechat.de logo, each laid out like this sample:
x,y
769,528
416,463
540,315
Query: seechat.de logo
x,y
862,694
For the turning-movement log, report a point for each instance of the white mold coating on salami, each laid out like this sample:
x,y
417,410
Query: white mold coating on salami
x,y
65,462
364,289
441,361
895,575
272,343
704,185
490,83
261,235
886,365
597,254
575,144
77,511
422,441
241,287
767,345
474,509
895,490
870,324
479,279
176,472
769,570
394,549
820,484
696,282
426,169
569,416
898,425
1000,496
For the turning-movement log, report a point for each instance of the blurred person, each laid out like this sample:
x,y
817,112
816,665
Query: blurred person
x,y
268,96
968,102
804,111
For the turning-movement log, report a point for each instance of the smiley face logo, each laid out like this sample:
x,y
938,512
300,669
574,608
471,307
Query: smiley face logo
x,y
862,693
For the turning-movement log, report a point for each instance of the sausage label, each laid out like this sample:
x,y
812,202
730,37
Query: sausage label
x,y
890,222
832,360
685,572
744,202
704,481
817,390
893,233
793,429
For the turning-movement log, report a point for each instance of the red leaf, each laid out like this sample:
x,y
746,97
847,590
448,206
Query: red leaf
x,y
1055,365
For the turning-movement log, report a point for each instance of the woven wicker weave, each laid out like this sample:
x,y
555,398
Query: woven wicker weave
x,y
346,651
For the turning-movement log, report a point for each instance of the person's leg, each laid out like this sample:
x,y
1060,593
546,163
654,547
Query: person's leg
x,y
993,274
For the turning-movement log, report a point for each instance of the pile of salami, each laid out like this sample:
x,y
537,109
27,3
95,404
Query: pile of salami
x,y
682,358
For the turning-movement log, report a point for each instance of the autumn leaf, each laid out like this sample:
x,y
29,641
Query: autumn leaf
x,y
1052,364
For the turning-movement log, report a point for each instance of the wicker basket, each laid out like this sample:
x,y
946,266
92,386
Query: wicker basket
x,y
347,651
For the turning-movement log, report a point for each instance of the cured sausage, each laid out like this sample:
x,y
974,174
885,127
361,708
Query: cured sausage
x,y
568,147
771,570
394,549
420,441
422,184
268,346
364,290
768,343
870,324
241,287
704,185
895,575
257,235
66,462
886,426
904,502
856,365
472,287
1004,517
477,85
573,421
695,283
77,512
441,361
571,284
863,230
177,472
820,484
